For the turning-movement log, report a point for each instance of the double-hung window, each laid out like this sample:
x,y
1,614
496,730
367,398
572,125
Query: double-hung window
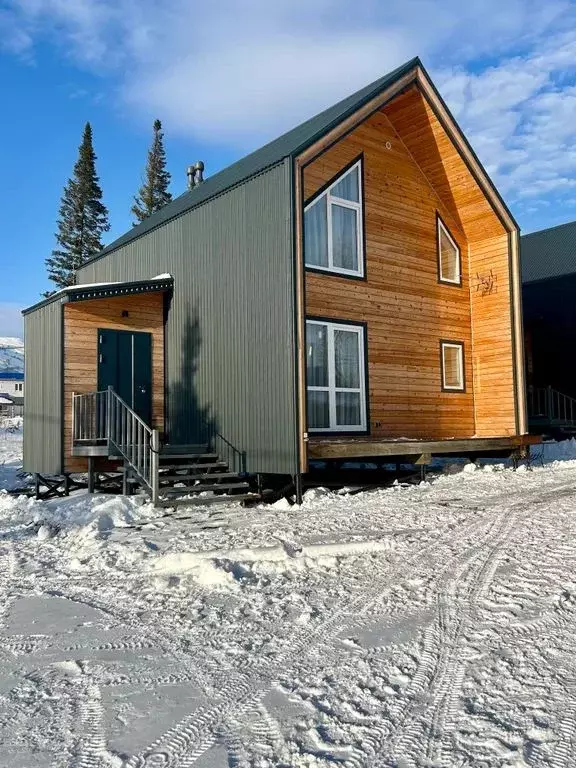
x,y
333,230
336,377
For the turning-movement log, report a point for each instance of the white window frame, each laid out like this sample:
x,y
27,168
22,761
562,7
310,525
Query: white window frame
x,y
460,347
332,389
358,207
443,228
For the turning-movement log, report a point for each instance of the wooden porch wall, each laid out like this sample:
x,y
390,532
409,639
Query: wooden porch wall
x,y
81,323
407,310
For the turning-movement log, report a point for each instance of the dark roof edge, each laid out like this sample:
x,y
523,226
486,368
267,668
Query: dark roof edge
x,y
85,292
395,75
549,229
549,278
398,73
485,173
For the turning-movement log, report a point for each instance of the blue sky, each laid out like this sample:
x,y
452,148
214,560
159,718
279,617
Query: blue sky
x,y
228,75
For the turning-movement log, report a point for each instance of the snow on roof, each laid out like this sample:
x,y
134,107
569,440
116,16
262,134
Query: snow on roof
x,y
72,289
5,401
87,286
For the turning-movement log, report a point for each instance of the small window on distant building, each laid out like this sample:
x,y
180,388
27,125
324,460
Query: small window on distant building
x,y
333,230
448,256
452,354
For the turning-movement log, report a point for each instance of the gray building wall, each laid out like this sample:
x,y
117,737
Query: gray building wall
x,y
230,339
43,402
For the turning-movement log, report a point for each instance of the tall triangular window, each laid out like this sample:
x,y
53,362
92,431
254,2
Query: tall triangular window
x,y
333,228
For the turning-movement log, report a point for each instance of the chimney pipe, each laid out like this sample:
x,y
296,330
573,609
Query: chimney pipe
x,y
195,174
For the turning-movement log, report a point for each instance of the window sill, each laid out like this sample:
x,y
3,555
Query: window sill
x,y
335,273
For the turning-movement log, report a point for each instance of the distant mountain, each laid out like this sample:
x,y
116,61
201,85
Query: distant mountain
x,y
11,354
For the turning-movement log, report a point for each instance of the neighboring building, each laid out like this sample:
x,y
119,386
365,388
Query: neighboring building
x,y
12,383
350,290
549,293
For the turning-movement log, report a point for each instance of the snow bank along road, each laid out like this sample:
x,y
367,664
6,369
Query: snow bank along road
x,y
429,625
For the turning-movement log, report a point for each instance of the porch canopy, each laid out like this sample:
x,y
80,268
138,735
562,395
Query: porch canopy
x,y
89,291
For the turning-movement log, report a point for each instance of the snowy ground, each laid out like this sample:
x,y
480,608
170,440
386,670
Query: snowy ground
x,y
429,625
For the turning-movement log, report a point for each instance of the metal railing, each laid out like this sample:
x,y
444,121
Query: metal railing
x,y
233,457
105,417
547,404
89,419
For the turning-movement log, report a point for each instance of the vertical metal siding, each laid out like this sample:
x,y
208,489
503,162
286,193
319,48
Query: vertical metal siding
x,y
230,346
43,401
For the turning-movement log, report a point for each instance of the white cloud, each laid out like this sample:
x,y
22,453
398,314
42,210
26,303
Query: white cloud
x,y
11,323
238,72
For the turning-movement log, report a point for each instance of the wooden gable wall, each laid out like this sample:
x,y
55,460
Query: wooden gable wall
x,y
412,171
488,256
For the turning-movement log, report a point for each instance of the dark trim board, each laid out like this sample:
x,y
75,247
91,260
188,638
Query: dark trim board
x,y
335,448
513,327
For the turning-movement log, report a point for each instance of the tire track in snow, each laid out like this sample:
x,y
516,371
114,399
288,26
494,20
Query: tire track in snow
x,y
197,732
91,749
440,667
7,568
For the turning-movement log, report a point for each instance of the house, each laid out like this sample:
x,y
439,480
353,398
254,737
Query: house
x,y
548,290
350,290
12,383
11,393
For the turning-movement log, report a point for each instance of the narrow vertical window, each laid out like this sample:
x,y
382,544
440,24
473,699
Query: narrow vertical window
x,y
452,357
333,230
335,361
449,262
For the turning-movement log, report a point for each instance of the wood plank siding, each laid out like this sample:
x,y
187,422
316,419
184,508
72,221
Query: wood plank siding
x,y
81,323
412,173
492,337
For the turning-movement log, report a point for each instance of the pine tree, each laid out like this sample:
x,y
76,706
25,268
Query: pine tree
x,y
153,193
83,217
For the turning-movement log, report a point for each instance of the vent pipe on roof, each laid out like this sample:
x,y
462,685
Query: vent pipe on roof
x,y
195,174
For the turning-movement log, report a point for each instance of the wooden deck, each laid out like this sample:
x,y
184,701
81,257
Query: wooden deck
x,y
364,447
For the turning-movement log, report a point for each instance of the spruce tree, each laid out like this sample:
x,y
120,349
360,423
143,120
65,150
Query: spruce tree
x,y
153,193
83,217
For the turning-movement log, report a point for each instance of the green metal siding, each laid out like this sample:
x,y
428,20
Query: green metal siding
x,y
43,401
230,348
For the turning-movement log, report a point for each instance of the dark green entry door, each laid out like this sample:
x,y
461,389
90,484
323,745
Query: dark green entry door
x,y
125,363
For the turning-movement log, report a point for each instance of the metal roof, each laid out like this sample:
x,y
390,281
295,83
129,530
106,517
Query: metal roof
x,y
11,376
104,290
549,253
289,144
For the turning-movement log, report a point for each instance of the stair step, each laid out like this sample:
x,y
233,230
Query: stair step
x,y
187,456
206,476
167,503
169,450
204,487
193,467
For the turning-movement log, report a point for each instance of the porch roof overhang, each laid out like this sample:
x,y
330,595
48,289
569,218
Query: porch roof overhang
x,y
91,291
